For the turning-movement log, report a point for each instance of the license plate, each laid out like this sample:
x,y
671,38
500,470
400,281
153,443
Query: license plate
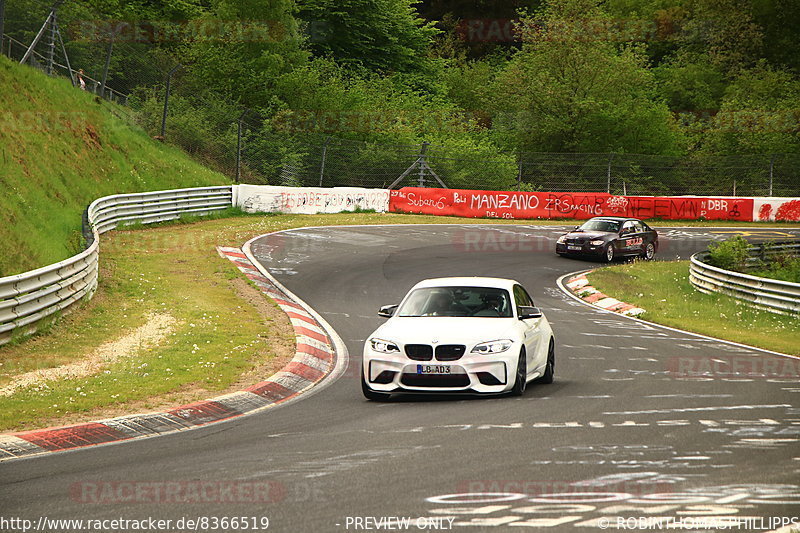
x,y
573,247
433,369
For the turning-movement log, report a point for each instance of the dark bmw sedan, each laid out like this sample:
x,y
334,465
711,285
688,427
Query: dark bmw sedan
x,y
609,237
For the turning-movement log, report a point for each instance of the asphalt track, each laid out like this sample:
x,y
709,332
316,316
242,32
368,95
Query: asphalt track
x,y
641,421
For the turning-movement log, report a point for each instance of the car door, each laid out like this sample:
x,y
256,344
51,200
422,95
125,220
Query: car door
x,y
650,235
629,242
531,329
641,236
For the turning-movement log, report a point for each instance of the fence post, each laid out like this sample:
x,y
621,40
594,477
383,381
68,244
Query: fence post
x,y
108,63
771,167
519,177
324,157
29,51
239,145
423,150
51,44
239,149
608,176
166,100
3,24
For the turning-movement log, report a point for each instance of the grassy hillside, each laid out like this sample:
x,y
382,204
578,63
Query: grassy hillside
x,y
60,148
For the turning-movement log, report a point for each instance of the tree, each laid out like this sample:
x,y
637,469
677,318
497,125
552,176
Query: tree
x,y
758,114
249,44
573,87
691,83
726,31
380,35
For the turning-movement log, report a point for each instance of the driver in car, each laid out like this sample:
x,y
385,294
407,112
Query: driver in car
x,y
492,305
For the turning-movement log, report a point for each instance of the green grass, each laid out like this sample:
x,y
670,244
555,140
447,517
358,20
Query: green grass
x,y
61,148
664,291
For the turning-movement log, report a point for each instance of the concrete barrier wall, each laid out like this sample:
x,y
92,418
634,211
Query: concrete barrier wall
x,y
309,200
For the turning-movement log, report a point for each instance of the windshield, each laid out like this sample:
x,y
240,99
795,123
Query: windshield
x,y
600,225
484,302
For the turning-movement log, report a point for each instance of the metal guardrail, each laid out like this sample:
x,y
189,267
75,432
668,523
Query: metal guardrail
x,y
28,298
773,295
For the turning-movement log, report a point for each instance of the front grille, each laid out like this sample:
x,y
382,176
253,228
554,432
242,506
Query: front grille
x,y
450,352
419,352
430,380
576,241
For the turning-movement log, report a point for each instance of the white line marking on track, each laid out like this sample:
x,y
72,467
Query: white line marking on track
x,y
698,409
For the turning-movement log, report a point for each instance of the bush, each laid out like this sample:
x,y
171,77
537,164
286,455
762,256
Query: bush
x,y
730,254
784,267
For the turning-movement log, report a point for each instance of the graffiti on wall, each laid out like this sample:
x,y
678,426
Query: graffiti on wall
x,y
310,200
532,205
776,209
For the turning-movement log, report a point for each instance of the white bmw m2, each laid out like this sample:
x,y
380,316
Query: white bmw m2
x,y
459,335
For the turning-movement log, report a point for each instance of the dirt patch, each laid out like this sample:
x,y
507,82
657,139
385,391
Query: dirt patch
x,y
155,329
270,359
91,137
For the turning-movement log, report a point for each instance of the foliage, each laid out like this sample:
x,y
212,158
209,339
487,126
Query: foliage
x,y
571,88
670,77
379,35
758,114
730,254
784,267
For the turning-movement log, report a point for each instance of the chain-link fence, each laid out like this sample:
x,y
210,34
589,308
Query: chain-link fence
x,y
333,162
250,148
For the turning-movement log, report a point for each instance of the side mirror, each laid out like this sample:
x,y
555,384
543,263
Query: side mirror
x,y
387,310
625,231
526,312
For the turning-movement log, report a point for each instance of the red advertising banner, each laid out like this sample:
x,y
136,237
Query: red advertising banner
x,y
532,205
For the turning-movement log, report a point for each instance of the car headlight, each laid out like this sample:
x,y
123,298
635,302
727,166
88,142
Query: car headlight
x,y
562,239
491,347
380,345
596,243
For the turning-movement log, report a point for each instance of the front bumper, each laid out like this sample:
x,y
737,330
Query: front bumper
x,y
483,374
580,249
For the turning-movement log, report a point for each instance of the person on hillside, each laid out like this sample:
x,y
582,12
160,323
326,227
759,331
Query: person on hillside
x,y
81,81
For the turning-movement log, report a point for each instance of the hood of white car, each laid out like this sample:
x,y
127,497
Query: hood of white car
x,y
446,330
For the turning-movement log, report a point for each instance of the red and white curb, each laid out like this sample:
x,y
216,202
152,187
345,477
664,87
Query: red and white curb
x,y
579,285
315,358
